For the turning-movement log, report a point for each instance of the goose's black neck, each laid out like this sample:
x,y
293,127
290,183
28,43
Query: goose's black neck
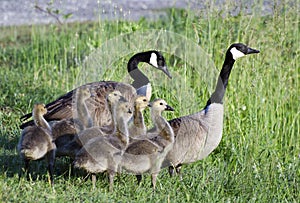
x,y
139,79
218,95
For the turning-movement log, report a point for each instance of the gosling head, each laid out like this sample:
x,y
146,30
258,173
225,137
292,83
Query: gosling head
x,y
160,105
84,92
39,110
114,97
124,110
141,103
158,61
238,50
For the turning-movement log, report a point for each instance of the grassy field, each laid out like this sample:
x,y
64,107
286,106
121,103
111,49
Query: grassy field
x,y
258,159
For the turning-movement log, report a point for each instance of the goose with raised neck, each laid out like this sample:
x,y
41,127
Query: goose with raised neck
x,y
198,134
62,107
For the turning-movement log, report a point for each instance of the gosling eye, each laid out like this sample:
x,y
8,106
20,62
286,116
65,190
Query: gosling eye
x,y
161,103
144,100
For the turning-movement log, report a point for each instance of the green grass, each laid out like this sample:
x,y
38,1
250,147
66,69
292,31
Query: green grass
x,y
258,159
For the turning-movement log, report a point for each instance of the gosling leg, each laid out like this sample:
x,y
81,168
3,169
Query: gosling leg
x,y
139,178
94,180
51,160
111,175
26,169
154,176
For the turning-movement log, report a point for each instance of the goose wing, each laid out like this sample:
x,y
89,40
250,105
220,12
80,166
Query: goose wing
x,y
142,147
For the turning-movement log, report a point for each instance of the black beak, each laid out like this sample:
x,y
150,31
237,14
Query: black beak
x,y
149,105
252,51
169,108
129,111
166,71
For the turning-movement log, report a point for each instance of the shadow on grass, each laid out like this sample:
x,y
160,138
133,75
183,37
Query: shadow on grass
x,y
11,163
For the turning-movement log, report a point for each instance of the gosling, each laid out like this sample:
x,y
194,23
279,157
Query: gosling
x,y
36,141
65,130
146,155
84,136
137,127
97,155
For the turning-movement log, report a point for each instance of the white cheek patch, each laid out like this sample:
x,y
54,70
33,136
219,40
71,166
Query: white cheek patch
x,y
236,53
153,60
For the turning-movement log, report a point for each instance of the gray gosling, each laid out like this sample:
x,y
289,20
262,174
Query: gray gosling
x,y
136,126
65,130
84,136
97,155
145,155
36,141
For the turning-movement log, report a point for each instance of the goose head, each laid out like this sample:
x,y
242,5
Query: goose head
x,y
158,61
140,81
239,50
141,103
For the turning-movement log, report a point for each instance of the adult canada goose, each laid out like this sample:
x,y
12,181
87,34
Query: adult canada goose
x,y
65,130
144,155
198,134
136,124
62,107
96,155
36,141
80,139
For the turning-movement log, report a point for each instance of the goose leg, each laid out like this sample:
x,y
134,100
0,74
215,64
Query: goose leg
x,y
171,171
139,178
178,171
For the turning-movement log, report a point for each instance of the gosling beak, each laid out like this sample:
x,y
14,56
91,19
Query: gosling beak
x,y
149,105
129,111
166,71
252,51
169,108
